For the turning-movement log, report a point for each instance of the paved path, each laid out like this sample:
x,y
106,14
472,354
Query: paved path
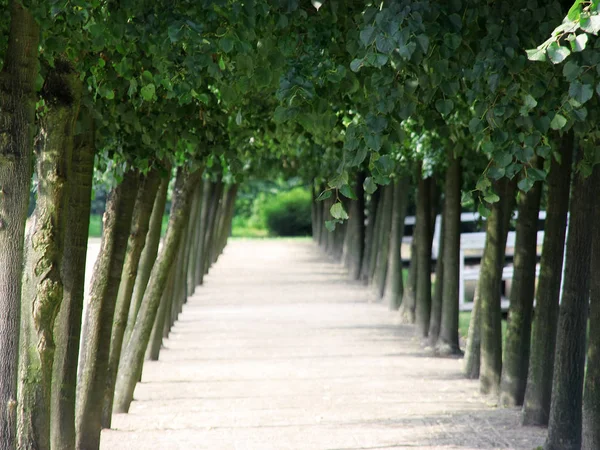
x,y
278,351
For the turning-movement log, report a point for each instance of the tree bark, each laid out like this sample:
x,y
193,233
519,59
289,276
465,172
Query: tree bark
x,y
140,225
229,212
448,340
164,310
215,201
381,265
472,364
536,407
354,243
17,115
518,336
394,285
437,298
423,248
207,191
407,307
97,326
490,287
133,355
148,256
369,235
67,328
565,421
43,284
195,238
377,232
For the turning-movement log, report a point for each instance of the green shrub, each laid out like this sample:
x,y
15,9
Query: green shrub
x,y
288,213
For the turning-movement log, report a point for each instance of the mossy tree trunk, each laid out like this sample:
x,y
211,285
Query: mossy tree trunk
x,y
565,421
148,256
518,336
372,207
423,248
17,115
377,232
381,265
490,287
140,225
67,328
228,215
133,354
448,340
536,407
195,239
164,314
216,195
394,285
97,326
472,362
43,282
354,242
207,189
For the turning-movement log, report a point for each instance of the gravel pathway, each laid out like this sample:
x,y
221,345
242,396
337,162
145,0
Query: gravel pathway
x,y
278,351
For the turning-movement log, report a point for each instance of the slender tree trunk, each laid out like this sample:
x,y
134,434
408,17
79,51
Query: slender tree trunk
x,y
448,341
591,395
354,244
408,305
314,213
97,326
377,232
43,284
17,115
394,285
67,329
423,247
381,265
229,212
437,298
369,235
194,238
140,224
158,331
215,201
207,191
536,408
518,336
565,421
490,287
472,364
133,355
148,256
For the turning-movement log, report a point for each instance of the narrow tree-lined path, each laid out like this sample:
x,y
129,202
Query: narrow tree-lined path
x,y
278,351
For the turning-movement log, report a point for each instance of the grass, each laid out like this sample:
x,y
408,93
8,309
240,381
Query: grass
x,y
95,229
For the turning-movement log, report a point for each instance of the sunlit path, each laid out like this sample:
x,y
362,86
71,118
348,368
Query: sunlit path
x,y
278,351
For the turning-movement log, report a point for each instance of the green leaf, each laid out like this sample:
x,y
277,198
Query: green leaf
x,y
483,183
226,44
361,154
590,24
148,92
347,192
575,11
503,159
263,76
367,36
238,118
557,53
525,184
578,44
369,185
536,174
356,64
444,107
245,64
483,210
528,104
324,195
385,44
558,122
337,211
147,76
536,54
581,92
491,197
330,225
406,51
423,41
475,125
571,70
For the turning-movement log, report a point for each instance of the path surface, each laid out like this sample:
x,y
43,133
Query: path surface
x,y
278,351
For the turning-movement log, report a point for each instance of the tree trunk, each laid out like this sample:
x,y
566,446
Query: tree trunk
x,y
423,247
490,287
354,243
591,395
43,284
314,212
437,298
229,212
394,285
536,408
381,265
207,191
564,425
67,329
17,115
472,364
518,336
215,201
407,307
140,224
97,326
369,235
448,340
195,241
133,355
148,256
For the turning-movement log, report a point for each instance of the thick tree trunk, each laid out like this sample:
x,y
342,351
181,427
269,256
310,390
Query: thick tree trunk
x,y
564,425
536,407
140,225
448,340
381,265
370,235
394,285
97,326
207,191
148,256
67,329
354,243
133,355
43,284
518,336
437,298
472,364
17,115
423,248
377,233
490,287
591,395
